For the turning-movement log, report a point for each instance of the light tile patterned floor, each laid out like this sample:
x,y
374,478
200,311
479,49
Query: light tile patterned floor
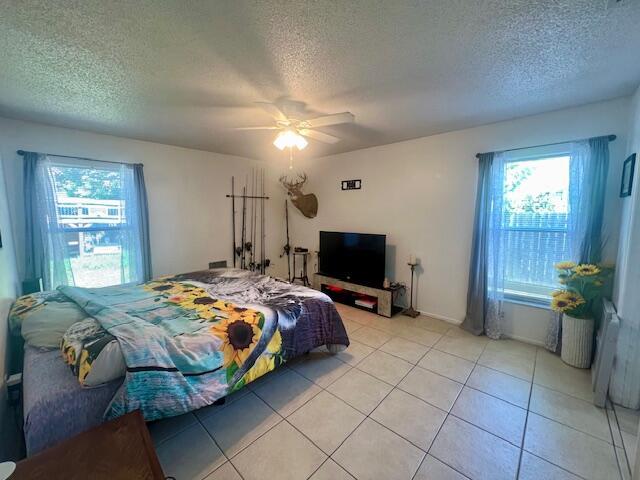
x,y
410,399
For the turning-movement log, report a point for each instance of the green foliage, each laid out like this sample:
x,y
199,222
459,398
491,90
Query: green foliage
x,y
88,183
582,292
515,175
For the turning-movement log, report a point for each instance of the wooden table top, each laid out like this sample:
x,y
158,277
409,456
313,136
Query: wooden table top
x,y
119,449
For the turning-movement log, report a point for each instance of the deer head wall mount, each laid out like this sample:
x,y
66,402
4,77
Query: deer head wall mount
x,y
306,203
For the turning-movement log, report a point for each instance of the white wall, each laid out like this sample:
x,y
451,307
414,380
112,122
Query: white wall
x,y
625,384
190,217
421,194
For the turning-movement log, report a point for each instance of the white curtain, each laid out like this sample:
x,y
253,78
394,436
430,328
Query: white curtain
x,y
57,267
57,256
579,204
501,253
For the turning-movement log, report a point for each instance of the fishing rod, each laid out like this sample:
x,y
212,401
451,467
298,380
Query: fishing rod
x,y
248,245
246,250
287,248
233,219
263,266
254,230
244,226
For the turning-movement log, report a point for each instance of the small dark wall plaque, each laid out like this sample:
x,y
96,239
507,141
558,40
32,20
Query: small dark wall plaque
x,y
351,184
627,176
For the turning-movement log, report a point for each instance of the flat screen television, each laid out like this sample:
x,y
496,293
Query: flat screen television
x,y
353,257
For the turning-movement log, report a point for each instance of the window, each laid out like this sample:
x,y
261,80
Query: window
x,y
90,223
536,230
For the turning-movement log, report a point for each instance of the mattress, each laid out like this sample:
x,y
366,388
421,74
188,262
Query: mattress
x,y
55,406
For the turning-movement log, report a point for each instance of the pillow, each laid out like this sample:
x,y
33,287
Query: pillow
x,y
44,317
93,354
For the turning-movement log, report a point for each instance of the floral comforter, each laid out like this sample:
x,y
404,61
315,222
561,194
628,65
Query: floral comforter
x,y
191,339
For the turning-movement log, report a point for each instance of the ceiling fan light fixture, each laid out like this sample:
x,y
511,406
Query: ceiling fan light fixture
x,y
289,139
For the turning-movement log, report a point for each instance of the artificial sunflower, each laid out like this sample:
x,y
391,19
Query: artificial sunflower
x,y
575,298
586,270
560,304
567,265
238,339
557,293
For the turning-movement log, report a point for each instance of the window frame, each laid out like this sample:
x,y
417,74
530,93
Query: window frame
x,y
60,228
514,295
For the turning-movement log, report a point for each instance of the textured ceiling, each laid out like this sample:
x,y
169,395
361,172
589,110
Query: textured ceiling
x,y
186,72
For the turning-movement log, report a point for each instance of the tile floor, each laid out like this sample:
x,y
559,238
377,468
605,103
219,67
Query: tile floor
x,y
410,399
624,427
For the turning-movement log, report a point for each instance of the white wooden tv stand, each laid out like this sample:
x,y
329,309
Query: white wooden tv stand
x,y
385,296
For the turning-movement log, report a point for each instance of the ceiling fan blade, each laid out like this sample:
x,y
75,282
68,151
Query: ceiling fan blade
x,y
273,110
257,128
334,119
322,137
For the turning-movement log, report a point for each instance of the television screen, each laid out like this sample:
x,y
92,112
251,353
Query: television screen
x,y
354,257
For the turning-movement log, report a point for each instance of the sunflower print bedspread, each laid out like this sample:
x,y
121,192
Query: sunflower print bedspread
x,y
191,339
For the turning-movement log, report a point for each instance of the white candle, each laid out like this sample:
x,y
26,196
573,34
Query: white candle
x,y
412,259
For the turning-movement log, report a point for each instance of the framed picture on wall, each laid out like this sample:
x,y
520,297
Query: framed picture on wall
x,y
627,176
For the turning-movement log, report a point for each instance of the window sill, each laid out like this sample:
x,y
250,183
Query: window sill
x,y
527,302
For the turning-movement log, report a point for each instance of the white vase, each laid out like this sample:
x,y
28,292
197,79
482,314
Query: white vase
x,y
577,341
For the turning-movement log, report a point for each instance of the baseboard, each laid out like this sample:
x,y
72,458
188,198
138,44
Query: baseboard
x,y
453,321
441,317
537,343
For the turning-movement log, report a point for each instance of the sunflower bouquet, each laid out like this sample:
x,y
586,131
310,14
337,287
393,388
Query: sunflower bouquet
x,y
583,285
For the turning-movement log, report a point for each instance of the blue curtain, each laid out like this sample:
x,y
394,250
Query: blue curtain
x,y
143,209
478,270
596,171
33,246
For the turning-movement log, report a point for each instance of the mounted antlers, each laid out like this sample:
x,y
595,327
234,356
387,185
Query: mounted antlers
x,y
307,204
294,188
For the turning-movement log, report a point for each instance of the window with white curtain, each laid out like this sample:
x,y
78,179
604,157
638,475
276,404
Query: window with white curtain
x,y
90,222
536,225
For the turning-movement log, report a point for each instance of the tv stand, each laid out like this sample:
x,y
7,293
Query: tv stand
x,y
346,292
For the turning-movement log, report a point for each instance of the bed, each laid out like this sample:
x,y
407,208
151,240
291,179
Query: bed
x,y
176,336
55,405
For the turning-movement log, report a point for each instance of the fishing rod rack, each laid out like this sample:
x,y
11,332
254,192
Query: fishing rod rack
x,y
250,254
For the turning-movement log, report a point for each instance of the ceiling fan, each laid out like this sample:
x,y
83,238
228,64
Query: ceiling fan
x,y
292,130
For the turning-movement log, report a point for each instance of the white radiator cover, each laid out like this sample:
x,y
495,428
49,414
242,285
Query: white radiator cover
x,y
625,382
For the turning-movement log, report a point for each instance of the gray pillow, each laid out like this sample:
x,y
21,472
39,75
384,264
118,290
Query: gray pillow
x,y
44,327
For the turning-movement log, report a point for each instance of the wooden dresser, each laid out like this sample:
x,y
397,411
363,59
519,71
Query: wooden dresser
x,y
119,449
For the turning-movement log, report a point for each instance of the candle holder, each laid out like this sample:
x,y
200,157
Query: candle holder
x,y
411,312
